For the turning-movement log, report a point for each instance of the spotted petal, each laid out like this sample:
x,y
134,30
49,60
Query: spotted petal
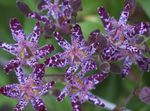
x,y
76,104
92,48
110,53
105,19
13,64
45,50
143,62
87,66
56,61
140,29
36,33
11,90
96,78
43,5
22,77
124,15
32,61
95,100
11,48
16,30
72,69
126,66
35,15
77,36
38,73
131,48
61,41
38,104
22,103
66,9
63,93
47,87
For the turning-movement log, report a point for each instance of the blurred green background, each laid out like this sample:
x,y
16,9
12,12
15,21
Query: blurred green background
x,y
113,89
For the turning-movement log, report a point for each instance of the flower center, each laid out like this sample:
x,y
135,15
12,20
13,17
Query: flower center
x,y
76,55
118,37
29,89
77,85
26,53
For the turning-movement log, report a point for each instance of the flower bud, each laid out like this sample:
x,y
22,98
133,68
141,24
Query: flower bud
x,y
23,7
145,95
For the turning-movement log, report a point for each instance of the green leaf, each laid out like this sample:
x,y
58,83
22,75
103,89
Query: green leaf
x,y
145,5
89,24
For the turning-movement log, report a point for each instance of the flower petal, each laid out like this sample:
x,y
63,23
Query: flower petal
x,y
45,50
131,48
76,104
140,29
143,62
66,8
43,5
38,73
72,69
77,36
32,61
11,48
21,105
87,66
110,53
35,15
11,90
92,48
95,100
126,66
124,15
61,41
22,77
96,78
38,104
16,30
36,33
13,64
63,93
46,87
56,61
105,19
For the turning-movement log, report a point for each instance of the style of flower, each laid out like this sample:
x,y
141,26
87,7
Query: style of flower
x,y
29,89
77,54
26,48
78,90
121,40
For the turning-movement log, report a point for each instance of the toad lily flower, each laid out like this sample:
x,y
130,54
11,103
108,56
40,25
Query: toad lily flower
x,y
121,39
78,90
29,89
58,15
55,9
76,54
26,49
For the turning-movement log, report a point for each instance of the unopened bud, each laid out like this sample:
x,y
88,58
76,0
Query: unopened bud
x,y
24,8
145,95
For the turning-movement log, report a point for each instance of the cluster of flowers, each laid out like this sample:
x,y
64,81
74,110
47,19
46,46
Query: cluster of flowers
x,y
120,45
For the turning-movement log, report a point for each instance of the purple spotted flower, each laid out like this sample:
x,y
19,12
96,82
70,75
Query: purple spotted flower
x,y
78,90
121,40
29,89
26,48
58,15
77,54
